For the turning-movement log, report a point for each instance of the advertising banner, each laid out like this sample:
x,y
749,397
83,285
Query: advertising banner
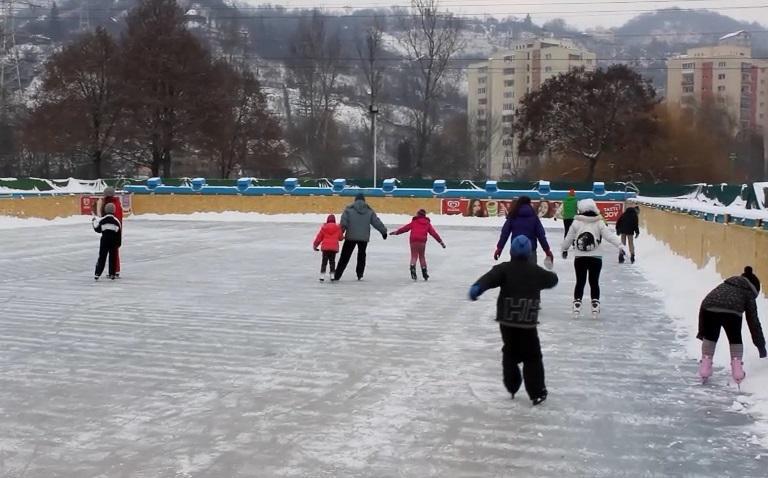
x,y
610,210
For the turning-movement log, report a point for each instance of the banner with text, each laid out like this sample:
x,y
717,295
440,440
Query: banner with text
x,y
610,210
88,204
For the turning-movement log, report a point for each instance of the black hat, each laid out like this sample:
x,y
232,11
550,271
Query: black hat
x,y
360,196
751,277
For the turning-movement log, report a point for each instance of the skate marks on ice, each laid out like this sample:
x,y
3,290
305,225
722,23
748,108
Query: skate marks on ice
x,y
219,354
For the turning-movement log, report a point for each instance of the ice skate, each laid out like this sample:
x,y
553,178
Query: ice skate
x,y
95,277
622,257
540,399
112,277
705,368
322,277
632,258
595,309
413,273
424,273
576,310
737,370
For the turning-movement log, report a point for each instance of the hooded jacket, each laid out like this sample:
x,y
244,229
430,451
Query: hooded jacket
x,y
357,219
736,296
329,235
421,228
569,207
628,223
110,229
526,223
588,231
521,284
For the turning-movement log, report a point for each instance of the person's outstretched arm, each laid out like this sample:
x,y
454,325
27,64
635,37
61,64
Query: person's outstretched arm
x,y
490,280
378,225
432,232
755,330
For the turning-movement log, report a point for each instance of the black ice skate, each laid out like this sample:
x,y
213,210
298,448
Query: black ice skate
x,y
621,257
95,277
424,273
632,258
540,399
413,273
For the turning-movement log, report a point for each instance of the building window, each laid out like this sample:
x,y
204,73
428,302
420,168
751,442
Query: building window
x,y
482,101
689,66
508,83
547,69
687,89
721,76
481,91
507,131
548,56
573,57
509,106
589,61
507,118
509,94
509,71
506,142
509,58
481,113
482,80
721,88
722,64
483,70
482,123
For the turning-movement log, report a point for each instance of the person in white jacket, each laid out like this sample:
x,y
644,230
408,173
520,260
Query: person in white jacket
x,y
586,236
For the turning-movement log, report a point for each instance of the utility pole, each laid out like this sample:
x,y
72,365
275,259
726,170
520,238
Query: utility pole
x,y
85,16
374,112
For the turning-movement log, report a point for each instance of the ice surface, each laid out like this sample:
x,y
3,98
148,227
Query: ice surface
x,y
220,355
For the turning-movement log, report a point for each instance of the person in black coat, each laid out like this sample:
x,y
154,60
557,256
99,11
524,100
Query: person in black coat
x,y
110,229
517,311
628,228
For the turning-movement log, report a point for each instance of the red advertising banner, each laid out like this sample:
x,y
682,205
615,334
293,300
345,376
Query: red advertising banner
x,y
610,210
88,204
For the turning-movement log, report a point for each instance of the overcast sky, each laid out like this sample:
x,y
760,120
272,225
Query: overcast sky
x,y
581,13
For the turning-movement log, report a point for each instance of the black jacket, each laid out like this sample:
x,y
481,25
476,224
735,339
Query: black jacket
x,y
736,296
521,284
628,223
110,229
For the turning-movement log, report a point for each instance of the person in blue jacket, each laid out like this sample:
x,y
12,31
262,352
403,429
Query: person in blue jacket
x,y
523,220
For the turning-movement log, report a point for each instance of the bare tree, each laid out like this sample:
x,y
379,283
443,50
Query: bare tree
x,y
432,38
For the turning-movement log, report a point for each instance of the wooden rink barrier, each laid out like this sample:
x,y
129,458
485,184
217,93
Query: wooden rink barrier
x,y
731,246
43,207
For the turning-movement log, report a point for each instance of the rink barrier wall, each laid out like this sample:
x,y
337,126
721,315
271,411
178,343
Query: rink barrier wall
x,y
46,207
731,246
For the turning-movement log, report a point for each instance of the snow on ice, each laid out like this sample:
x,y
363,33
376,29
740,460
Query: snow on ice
x,y
218,354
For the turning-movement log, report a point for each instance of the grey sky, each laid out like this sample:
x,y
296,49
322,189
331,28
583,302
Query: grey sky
x,y
581,13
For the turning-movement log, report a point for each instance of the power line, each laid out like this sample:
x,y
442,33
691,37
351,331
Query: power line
x,y
446,5
481,59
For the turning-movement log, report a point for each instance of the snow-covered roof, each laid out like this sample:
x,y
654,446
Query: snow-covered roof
x,y
732,35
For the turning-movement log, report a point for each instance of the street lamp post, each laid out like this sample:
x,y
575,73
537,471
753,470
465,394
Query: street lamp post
x,y
374,112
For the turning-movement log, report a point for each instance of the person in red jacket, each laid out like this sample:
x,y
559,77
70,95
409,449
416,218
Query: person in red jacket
x,y
420,228
111,198
327,240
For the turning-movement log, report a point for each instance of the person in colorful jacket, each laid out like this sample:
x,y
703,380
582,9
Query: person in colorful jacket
x,y
523,220
356,222
421,228
569,210
327,240
723,308
109,227
111,198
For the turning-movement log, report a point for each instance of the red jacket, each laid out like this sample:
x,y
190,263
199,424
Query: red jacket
x,y
420,226
329,236
118,207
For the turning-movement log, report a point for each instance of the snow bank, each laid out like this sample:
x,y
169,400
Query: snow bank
x,y
736,209
682,286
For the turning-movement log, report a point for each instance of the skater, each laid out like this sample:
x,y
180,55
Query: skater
x,y
517,311
586,236
111,198
569,210
628,228
722,308
420,228
522,220
327,240
356,222
109,227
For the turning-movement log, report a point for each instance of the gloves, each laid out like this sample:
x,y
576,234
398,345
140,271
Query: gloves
x,y
497,254
392,233
565,254
442,244
474,292
384,235
315,248
549,254
761,351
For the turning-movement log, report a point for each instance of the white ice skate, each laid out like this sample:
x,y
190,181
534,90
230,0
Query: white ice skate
x,y
595,309
322,277
576,309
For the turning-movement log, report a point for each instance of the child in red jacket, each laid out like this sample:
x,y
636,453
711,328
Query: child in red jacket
x,y
327,240
420,227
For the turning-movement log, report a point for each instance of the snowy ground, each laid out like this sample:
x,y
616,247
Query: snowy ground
x,y
220,355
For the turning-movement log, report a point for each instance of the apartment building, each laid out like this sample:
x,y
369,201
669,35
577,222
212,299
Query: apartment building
x,y
725,73
495,88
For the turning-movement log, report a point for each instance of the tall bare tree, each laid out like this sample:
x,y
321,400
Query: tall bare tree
x,y
432,38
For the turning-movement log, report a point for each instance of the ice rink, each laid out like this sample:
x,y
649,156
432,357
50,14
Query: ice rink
x,y
219,354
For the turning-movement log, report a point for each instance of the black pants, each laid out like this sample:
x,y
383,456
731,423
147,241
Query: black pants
x,y
107,250
567,223
522,345
329,258
587,267
346,254
710,324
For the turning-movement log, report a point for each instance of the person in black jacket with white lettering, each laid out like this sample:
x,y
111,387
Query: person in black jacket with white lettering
x,y
517,311
110,229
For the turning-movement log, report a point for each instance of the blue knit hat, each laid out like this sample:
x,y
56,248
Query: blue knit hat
x,y
521,247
